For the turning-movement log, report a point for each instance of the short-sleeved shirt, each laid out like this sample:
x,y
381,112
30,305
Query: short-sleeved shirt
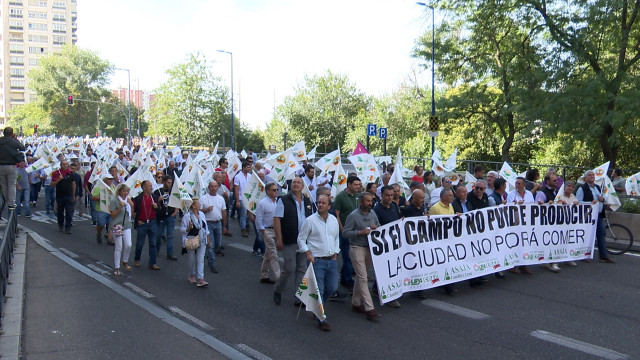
x,y
441,209
241,180
122,218
345,203
218,204
387,215
279,213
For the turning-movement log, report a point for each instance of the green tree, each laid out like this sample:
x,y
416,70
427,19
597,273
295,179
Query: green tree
x,y
323,110
487,52
76,72
191,104
594,49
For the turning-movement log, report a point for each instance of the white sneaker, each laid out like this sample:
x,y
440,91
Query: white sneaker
x,y
572,263
554,268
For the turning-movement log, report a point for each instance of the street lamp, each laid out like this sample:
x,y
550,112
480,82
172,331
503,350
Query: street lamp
x,y
433,68
232,114
129,97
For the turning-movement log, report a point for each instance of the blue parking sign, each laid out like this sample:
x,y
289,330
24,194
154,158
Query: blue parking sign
x,y
371,130
383,133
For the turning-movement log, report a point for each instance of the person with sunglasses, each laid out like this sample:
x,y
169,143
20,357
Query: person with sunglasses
x,y
435,194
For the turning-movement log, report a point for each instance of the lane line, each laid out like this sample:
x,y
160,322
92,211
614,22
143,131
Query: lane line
x,y
98,269
193,319
242,247
584,347
155,310
138,290
69,253
454,309
253,353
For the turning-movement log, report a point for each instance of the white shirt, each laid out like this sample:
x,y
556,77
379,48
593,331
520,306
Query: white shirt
x,y
264,213
319,236
241,180
218,204
311,182
435,196
322,178
515,197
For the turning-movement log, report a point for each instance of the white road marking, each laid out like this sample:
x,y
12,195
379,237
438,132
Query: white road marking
x,y
241,247
193,319
584,347
98,269
155,310
454,309
138,290
253,353
69,253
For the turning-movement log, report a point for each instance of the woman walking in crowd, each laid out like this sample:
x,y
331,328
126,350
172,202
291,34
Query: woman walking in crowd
x,y
194,223
120,226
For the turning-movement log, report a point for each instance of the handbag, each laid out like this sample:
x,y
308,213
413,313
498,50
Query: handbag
x,y
192,242
117,230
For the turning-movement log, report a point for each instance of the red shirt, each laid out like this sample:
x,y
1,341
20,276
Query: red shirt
x,y
226,177
59,174
146,211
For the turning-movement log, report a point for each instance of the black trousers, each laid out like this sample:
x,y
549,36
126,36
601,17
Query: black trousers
x,y
65,211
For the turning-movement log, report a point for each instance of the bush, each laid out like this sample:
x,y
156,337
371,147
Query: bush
x,y
631,206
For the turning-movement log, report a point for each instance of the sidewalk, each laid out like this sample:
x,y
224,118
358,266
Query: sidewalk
x,y
70,312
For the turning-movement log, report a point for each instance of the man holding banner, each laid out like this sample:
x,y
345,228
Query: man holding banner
x,y
357,227
591,192
319,240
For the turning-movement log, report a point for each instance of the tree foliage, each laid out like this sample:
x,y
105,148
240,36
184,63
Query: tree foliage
x,y
76,72
192,104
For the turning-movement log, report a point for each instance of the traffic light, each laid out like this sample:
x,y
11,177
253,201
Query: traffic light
x,y
35,129
70,100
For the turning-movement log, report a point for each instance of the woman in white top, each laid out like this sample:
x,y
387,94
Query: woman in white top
x,y
195,223
569,198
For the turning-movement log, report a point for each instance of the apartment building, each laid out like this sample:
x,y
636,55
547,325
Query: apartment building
x,y
30,29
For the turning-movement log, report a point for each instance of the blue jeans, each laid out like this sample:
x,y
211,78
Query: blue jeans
x,y
601,233
215,239
242,216
49,198
22,199
147,230
326,276
92,205
346,273
168,225
35,190
258,243
65,211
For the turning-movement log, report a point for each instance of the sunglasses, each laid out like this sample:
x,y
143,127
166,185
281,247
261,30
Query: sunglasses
x,y
448,181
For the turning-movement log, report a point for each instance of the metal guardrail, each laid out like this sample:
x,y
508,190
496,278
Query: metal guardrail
x,y
6,254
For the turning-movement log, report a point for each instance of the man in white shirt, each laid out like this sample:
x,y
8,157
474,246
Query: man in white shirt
x,y
239,182
435,194
319,240
264,223
520,195
214,208
310,180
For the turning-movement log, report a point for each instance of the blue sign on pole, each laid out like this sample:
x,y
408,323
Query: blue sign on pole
x,y
383,133
371,130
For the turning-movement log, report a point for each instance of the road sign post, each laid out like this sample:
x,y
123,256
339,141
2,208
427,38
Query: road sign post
x,y
383,135
371,131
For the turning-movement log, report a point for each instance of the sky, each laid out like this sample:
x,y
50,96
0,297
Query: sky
x,y
275,43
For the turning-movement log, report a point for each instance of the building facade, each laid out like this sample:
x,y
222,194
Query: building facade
x,y
30,29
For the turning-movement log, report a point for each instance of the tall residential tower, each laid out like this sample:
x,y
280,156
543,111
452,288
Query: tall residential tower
x,y
30,29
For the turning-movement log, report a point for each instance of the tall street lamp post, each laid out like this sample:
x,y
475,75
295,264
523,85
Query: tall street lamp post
x,y
129,101
433,68
232,104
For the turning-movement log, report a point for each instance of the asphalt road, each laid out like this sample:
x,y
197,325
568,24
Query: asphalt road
x,y
590,311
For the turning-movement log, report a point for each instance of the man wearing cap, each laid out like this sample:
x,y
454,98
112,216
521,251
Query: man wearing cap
x,y
102,214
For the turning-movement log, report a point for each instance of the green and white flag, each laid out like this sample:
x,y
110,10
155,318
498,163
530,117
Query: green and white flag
x,y
42,163
508,174
470,181
235,164
106,193
609,193
366,167
558,198
339,181
134,182
632,185
329,162
397,176
298,150
309,293
253,193
180,197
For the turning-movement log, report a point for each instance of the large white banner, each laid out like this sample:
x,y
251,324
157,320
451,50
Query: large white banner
x,y
421,253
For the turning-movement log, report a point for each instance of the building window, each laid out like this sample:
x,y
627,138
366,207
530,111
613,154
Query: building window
x,y
15,25
37,50
59,4
15,13
17,84
34,61
32,14
38,38
38,26
16,48
59,28
18,73
59,17
59,40
42,15
16,60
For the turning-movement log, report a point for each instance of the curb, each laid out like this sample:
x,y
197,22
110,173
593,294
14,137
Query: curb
x,y
13,308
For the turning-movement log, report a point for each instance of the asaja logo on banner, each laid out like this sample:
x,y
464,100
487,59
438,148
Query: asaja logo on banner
x,y
457,272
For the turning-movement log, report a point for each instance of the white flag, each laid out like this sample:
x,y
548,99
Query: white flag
x,y
470,181
179,198
366,167
609,193
298,150
632,185
311,155
329,162
339,181
253,192
601,171
134,182
122,172
309,293
42,163
558,198
235,164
